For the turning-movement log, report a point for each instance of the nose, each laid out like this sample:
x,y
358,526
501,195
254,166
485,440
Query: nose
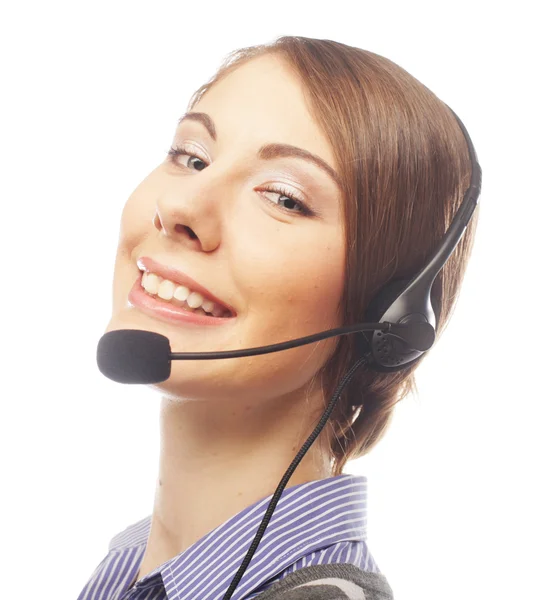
x,y
189,219
174,229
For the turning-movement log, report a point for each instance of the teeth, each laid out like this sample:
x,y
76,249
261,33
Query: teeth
x,y
169,291
181,293
195,300
150,282
166,290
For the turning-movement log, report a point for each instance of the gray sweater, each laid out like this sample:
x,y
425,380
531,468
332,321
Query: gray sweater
x,y
339,581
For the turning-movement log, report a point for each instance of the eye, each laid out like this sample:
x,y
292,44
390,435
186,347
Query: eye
x,y
175,152
289,199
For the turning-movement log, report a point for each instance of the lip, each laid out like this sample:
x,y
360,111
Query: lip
x,y
164,311
178,277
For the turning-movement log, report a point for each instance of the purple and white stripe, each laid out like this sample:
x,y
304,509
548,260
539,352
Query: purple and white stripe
x,y
314,523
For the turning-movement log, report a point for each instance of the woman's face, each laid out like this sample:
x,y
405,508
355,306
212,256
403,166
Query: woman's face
x,y
278,263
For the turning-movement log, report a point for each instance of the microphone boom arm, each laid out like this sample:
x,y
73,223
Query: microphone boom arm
x,y
422,334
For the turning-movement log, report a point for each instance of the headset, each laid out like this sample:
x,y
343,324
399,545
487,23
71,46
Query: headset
x,y
399,329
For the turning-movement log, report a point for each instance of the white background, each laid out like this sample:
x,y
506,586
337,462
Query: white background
x,y
458,489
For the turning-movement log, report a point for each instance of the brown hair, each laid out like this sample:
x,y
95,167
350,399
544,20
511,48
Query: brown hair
x,y
405,168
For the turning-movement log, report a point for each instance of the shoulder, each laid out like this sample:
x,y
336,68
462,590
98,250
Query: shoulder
x,y
340,581
135,534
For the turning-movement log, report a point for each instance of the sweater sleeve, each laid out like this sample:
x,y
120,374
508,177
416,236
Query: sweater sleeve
x,y
330,582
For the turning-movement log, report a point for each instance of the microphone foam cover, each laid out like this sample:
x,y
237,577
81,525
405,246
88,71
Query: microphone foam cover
x,y
134,356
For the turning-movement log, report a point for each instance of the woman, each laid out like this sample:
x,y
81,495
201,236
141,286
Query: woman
x,y
305,175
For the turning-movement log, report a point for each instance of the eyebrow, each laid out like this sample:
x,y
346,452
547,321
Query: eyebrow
x,y
268,151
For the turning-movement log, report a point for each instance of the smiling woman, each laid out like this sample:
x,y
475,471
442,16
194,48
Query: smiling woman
x,y
305,175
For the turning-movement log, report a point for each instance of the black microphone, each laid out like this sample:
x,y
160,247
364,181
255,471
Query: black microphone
x,y
138,356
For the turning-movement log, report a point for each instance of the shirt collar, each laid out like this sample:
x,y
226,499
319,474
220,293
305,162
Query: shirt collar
x,y
308,517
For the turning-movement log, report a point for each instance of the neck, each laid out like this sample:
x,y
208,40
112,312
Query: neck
x,y
217,460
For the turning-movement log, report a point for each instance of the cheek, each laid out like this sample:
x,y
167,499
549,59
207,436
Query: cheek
x,y
313,291
135,224
295,293
296,275
138,213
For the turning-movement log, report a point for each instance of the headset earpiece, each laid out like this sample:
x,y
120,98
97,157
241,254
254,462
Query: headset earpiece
x,y
379,304
386,351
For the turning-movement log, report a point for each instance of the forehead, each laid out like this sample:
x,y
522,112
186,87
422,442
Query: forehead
x,y
263,101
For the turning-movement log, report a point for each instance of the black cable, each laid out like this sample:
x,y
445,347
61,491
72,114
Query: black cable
x,y
278,492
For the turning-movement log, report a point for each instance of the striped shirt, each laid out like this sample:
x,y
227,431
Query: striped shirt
x,y
315,523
